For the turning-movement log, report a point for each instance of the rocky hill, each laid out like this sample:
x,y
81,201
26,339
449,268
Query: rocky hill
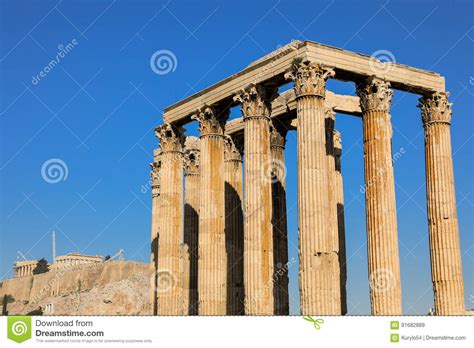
x,y
113,288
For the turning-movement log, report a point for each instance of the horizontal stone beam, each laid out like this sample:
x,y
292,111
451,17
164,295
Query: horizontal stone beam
x,y
285,106
270,69
351,66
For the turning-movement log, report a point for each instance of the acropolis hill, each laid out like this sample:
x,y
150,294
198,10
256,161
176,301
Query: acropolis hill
x,y
111,288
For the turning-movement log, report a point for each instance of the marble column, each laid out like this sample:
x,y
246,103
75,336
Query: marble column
x,y
446,264
341,229
319,280
381,211
155,195
185,278
234,226
278,131
170,227
191,217
212,264
332,199
258,239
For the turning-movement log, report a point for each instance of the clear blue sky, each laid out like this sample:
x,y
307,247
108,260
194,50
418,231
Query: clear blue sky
x,y
96,110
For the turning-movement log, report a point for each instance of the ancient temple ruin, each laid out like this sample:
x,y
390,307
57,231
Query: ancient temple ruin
x,y
219,243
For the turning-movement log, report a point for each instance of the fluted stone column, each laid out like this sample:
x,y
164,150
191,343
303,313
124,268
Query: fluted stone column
x,y
185,278
339,190
191,217
155,195
332,199
319,280
258,240
446,265
212,264
170,228
234,226
278,133
382,237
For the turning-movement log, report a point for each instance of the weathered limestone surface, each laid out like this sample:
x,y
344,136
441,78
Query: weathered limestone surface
x,y
340,218
332,198
446,265
191,218
212,264
155,214
111,288
348,66
285,105
258,242
278,131
382,237
319,281
185,264
169,276
234,226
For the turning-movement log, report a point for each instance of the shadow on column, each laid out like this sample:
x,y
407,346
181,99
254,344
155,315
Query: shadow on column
x,y
190,238
154,260
342,256
280,249
329,126
234,242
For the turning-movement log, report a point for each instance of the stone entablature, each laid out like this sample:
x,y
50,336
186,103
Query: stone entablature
x,y
348,66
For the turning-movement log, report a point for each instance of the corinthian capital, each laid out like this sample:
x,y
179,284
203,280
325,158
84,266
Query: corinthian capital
x,y
435,108
232,150
171,137
309,78
211,120
375,94
192,156
256,100
155,178
337,149
278,133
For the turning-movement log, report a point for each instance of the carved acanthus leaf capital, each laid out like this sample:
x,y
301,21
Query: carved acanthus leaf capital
x,y
256,100
192,155
309,78
278,134
171,137
337,143
337,140
155,178
375,94
232,152
330,113
192,162
211,120
435,108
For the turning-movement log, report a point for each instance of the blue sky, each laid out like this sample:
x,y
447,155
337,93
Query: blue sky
x,y
96,109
